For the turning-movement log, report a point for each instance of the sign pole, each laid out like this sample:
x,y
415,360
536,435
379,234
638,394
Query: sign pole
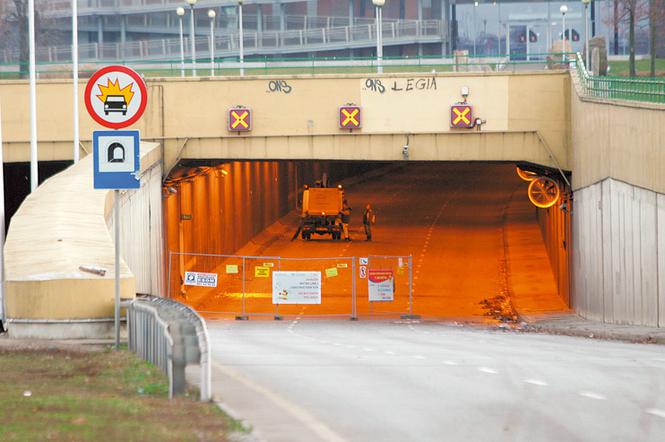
x,y
117,268
3,316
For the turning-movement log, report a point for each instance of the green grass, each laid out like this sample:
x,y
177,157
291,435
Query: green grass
x,y
620,68
96,396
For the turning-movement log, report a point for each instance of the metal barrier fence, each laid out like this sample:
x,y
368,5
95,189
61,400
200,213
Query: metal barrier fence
x,y
650,90
273,286
171,336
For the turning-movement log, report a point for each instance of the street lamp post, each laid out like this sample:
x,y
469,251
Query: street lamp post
x,y
211,16
563,9
586,32
241,40
379,34
34,174
75,76
475,28
191,4
181,12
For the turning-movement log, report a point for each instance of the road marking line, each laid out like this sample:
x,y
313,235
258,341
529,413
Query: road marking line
x,y
536,382
419,357
449,362
299,413
388,352
487,370
656,412
592,395
367,349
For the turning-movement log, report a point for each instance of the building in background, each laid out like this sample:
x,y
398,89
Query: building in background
x,y
149,29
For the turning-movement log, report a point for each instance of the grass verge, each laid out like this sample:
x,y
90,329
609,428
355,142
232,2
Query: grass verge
x,y
103,395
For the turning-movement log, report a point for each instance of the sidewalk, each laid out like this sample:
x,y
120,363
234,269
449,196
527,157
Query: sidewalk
x,y
569,324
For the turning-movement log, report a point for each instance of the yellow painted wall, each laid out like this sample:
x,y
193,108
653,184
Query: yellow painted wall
x,y
191,115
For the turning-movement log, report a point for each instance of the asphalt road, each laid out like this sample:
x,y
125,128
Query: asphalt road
x,y
448,216
389,381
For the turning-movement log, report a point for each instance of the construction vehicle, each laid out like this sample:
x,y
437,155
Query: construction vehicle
x,y
321,208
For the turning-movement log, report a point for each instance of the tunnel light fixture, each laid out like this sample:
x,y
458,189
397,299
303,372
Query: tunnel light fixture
x,y
464,92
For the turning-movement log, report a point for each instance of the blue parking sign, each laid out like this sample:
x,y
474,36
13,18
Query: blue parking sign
x,y
116,159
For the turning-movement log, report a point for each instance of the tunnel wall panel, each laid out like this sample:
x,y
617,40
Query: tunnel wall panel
x,y
555,227
141,232
619,254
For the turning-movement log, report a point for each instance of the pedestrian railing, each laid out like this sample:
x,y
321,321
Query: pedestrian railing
x,y
171,336
650,90
256,65
248,286
226,45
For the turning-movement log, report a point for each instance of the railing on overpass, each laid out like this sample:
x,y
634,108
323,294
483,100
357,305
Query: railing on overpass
x,y
168,22
287,66
650,90
398,32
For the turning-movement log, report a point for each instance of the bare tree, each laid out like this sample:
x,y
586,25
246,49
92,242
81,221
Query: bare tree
x,y
656,22
14,29
628,12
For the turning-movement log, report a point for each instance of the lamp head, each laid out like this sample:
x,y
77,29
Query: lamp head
x,y
191,2
563,9
211,14
240,2
379,3
586,2
180,11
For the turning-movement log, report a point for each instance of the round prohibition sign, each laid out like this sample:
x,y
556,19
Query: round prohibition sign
x,y
116,96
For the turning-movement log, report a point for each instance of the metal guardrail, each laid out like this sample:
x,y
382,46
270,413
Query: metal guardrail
x,y
226,45
171,336
650,90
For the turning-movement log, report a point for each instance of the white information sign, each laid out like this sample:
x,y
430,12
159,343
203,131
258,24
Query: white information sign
x,y
201,279
296,288
381,285
363,261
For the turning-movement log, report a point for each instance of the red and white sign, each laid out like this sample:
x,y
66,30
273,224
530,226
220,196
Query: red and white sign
x,y
116,97
381,285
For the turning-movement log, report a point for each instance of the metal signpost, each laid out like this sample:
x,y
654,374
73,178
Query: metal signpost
x,y
116,97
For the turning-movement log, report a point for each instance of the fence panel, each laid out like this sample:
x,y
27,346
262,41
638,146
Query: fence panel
x,y
376,296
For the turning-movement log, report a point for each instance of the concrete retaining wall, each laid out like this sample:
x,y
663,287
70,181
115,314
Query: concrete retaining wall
x,y
62,226
619,255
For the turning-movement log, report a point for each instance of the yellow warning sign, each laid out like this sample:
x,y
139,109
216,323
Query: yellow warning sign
x,y
342,265
331,272
231,269
261,272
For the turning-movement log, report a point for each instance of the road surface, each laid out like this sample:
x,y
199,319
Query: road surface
x,y
389,381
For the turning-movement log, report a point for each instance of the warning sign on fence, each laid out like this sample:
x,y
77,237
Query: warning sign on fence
x,y
296,288
261,272
201,279
381,285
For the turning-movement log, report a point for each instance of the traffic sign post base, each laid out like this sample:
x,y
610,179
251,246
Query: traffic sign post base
x,y
278,318
353,318
242,318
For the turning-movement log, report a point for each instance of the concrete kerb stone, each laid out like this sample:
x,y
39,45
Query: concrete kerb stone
x,y
573,325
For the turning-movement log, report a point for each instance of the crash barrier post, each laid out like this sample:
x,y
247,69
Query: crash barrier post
x,y
170,335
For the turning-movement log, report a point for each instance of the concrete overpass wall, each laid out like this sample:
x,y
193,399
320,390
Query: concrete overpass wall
x,y
295,117
619,211
65,224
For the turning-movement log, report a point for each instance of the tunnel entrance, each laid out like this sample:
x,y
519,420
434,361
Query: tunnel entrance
x,y
460,240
